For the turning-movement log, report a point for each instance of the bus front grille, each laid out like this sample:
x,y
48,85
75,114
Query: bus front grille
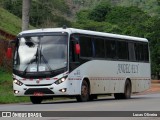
x,y
38,84
31,91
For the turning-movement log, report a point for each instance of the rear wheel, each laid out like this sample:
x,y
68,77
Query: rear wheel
x,y
84,92
127,92
36,99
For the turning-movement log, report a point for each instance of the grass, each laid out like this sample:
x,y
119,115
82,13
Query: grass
x,y
10,23
6,90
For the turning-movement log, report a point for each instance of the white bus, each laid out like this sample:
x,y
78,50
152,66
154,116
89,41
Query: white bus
x,y
79,63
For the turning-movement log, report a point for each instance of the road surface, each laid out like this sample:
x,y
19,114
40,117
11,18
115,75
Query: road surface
x,y
142,102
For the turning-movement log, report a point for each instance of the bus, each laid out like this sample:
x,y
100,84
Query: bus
x,y
55,62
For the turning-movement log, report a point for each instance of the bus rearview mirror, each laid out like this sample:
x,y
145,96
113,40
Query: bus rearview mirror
x,y
77,49
9,53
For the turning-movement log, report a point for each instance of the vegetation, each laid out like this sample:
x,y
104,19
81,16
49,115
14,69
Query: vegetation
x,y
6,89
124,20
43,13
9,22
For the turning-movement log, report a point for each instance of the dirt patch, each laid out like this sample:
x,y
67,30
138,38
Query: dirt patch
x,y
155,88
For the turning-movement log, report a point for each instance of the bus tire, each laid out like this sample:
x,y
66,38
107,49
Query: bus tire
x,y
127,91
36,99
84,92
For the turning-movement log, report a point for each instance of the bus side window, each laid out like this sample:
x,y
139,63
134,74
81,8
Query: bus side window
x,y
146,52
72,55
86,46
110,49
122,50
99,50
142,53
132,56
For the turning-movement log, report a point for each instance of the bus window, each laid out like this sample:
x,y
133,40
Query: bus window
x,y
122,50
110,46
86,46
146,54
99,48
141,50
73,57
132,56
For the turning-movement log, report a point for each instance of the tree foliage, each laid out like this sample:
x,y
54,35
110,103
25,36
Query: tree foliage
x,y
124,20
43,13
99,12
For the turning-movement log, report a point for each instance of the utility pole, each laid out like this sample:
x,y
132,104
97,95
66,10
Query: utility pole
x,y
25,14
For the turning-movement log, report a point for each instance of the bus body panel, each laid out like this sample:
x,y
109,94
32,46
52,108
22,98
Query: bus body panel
x,y
110,76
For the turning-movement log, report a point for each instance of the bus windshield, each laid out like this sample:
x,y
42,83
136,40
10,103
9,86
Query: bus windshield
x,y
37,53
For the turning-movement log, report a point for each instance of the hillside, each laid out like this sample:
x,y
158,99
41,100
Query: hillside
x,y
9,22
152,7
56,13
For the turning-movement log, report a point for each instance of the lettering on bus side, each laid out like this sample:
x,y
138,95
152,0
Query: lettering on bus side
x,y
77,72
128,68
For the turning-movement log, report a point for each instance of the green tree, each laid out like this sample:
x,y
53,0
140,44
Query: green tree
x,y
153,35
43,13
129,19
124,20
100,11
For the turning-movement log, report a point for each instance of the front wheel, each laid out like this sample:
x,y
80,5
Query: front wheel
x,y
84,92
36,99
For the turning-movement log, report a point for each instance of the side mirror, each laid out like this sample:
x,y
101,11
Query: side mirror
x,y
77,49
9,49
9,53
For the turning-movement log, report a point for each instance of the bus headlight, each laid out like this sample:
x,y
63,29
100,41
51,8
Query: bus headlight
x,y
60,81
18,82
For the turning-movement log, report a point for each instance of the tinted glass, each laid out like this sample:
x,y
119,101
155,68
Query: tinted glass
x,y
99,48
86,46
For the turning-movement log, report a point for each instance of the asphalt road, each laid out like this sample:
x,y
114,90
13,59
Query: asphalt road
x,y
147,102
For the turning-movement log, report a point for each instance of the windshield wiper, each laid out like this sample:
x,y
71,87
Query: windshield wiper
x,y
34,59
45,61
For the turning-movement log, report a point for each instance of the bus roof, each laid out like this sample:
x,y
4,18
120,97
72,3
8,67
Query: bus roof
x,y
86,32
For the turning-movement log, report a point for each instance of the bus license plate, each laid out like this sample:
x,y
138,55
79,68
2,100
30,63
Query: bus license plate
x,y
38,94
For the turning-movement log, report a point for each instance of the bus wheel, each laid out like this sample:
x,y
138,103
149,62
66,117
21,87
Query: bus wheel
x,y
127,92
36,99
84,93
